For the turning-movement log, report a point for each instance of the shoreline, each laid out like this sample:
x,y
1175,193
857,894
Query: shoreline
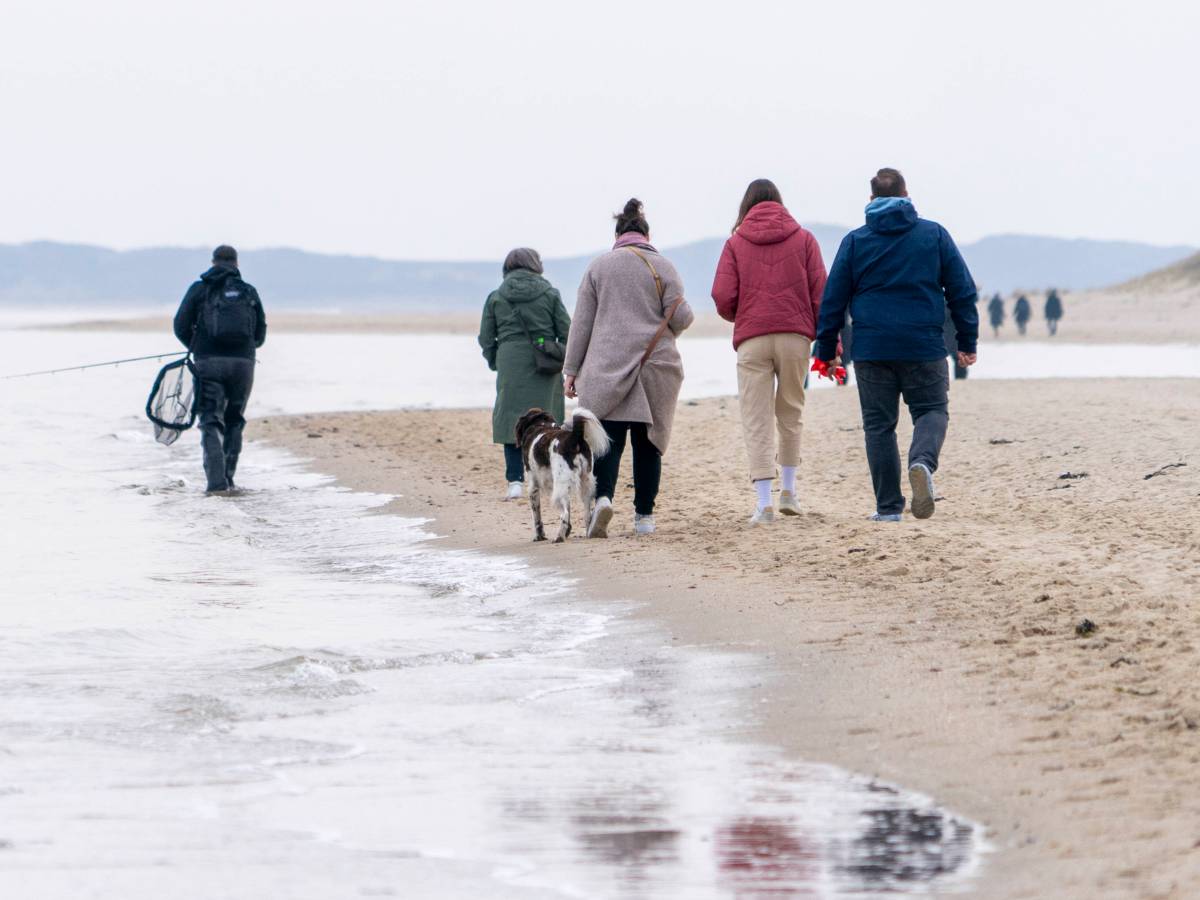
x,y
1097,317
941,655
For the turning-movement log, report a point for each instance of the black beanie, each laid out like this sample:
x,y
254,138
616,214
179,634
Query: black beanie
x,y
225,254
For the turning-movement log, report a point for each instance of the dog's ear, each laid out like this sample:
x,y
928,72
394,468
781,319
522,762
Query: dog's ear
x,y
529,418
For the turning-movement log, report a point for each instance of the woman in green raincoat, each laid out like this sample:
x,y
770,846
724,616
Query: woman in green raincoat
x,y
525,310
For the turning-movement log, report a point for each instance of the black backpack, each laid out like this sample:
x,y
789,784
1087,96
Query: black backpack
x,y
229,313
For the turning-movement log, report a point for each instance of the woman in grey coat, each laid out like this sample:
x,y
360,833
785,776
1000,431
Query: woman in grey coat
x,y
612,367
524,309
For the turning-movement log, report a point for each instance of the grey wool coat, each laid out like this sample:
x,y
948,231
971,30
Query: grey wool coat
x,y
616,314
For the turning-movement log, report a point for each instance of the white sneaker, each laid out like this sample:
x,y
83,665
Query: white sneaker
x,y
763,516
601,516
788,505
920,479
514,490
643,524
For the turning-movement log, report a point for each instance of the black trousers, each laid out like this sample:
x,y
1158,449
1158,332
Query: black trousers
x,y
224,391
647,465
925,388
514,464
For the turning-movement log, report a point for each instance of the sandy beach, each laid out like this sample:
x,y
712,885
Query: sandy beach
x,y
1125,315
947,655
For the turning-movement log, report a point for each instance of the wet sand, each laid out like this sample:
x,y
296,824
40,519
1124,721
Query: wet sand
x,y
941,655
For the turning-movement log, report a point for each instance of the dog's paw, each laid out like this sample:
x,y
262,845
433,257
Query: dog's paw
x,y
538,537
560,539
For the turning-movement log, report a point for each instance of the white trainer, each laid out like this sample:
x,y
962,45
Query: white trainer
x,y
788,504
515,489
601,516
763,516
643,524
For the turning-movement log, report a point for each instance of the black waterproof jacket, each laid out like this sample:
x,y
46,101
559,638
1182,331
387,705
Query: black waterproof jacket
x,y
189,324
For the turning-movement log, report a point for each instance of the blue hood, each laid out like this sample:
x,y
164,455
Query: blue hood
x,y
891,215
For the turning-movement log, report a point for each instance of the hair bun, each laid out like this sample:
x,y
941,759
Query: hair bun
x,y
632,219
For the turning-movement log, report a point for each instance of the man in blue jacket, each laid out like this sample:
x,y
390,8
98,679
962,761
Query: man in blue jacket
x,y
897,275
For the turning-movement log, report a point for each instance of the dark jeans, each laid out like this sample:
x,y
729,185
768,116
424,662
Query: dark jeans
x,y
925,387
647,465
225,383
514,465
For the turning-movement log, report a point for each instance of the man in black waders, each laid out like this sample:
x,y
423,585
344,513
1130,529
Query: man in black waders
x,y
221,320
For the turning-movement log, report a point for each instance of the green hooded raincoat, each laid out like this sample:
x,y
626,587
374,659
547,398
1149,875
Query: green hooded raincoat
x,y
519,386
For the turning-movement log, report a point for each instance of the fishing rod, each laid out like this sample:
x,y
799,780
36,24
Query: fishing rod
x,y
114,362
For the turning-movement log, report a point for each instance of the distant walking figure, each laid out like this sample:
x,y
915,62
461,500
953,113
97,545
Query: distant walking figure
x,y
221,319
523,332
1022,313
897,275
769,283
622,362
996,314
1054,311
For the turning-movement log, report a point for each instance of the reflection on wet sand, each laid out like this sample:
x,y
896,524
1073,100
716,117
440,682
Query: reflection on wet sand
x,y
760,856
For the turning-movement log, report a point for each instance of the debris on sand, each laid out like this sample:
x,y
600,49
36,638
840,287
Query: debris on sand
x,y
1072,476
1084,628
996,442
1164,470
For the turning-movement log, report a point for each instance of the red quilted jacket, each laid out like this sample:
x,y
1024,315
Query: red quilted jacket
x,y
770,277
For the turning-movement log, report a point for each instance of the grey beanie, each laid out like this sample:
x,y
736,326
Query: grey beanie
x,y
225,254
523,258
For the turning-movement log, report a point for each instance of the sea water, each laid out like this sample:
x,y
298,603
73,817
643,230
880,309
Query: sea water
x,y
287,693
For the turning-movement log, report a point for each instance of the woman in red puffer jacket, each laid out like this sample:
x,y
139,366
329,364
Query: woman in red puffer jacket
x,y
769,284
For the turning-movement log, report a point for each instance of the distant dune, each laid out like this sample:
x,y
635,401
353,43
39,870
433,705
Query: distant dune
x,y
1183,275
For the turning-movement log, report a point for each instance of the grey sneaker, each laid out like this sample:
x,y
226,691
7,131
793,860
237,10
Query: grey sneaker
x,y
788,505
601,516
643,524
514,490
763,516
886,517
921,481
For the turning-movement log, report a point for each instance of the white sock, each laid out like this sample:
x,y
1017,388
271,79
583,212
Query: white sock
x,y
789,478
763,488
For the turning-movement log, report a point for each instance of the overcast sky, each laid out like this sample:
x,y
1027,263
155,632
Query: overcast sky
x,y
457,129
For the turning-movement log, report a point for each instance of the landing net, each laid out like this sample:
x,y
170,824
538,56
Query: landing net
x,y
171,406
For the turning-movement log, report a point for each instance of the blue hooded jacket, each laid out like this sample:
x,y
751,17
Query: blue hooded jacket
x,y
897,275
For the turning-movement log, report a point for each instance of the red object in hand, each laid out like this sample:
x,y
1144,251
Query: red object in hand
x,y
821,367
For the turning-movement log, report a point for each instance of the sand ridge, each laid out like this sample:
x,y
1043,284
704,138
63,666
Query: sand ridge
x,y
941,654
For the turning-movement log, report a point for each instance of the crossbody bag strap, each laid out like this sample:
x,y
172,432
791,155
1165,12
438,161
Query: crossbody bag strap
x,y
520,318
666,322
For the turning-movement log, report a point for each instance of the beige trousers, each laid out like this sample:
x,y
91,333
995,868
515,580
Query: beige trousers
x,y
771,370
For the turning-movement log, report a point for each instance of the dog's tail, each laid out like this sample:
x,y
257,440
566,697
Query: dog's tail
x,y
585,424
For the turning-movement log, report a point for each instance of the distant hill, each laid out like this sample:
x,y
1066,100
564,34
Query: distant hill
x,y
73,275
